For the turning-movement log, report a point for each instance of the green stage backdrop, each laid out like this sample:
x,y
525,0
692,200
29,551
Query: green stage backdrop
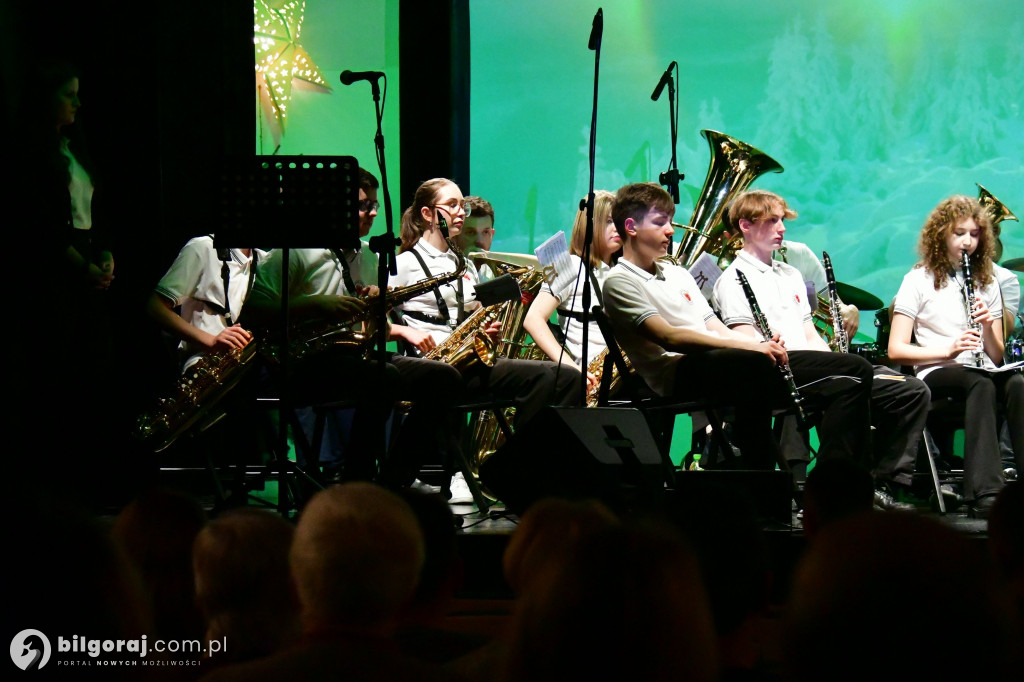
x,y
877,110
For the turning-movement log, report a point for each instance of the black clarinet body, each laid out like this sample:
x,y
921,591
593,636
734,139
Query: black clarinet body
x,y
840,339
787,374
978,355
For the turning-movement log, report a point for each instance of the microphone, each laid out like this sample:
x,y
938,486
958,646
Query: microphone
x,y
665,78
596,30
350,77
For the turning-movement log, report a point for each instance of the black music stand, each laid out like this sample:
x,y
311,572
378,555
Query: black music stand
x,y
288,202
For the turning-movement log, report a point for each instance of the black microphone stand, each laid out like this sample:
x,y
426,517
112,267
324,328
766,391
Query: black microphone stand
x,y
596,33
670,178
384,244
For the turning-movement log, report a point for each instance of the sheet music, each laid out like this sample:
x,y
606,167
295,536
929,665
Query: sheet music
x,y
706,272
554,252
1008,367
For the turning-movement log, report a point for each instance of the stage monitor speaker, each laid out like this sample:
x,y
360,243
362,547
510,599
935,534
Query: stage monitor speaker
x,y
578,452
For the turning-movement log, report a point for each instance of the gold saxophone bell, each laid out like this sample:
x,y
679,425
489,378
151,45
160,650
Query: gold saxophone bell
x,y
734,165
469,345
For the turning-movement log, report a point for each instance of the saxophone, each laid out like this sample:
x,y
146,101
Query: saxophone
x,y
787,374
196,392
358,333
596,367
840,339
468,344
203,384
977,355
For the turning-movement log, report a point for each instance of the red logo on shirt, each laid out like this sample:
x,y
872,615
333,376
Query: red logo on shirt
x,y
687,296
797,298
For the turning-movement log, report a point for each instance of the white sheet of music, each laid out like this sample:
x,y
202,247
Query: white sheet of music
x,y
1008,367
706,272
554,252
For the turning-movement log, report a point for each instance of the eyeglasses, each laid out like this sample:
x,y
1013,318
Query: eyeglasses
x,y
367,206
453,205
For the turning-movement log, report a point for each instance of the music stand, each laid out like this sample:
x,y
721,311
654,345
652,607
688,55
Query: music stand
x,y
288,202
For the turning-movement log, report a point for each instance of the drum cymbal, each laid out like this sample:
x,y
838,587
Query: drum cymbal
x,y
851,295
1014,264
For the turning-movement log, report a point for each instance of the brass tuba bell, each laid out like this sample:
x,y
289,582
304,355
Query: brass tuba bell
x,y
734,165
996,209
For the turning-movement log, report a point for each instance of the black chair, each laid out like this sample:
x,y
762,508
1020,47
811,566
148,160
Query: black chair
x,y
660,412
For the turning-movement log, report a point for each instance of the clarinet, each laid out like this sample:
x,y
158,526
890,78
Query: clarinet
x,y
977,355
787,374
840,341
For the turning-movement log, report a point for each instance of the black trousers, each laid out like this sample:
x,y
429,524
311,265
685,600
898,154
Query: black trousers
x,y
432,428
532,384
432,387
744,380
899,410
838,387
981,392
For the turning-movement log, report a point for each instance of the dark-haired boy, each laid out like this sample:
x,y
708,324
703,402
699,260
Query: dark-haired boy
x,y
671,335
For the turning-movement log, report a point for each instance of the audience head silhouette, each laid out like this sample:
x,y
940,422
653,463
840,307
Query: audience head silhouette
x,y
864,568
624,603
356,559
243,586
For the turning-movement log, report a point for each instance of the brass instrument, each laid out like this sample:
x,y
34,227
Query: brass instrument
x,y
596,367
998,212
196,392
996,209
486,433
358,333
734,165
500,259
469,344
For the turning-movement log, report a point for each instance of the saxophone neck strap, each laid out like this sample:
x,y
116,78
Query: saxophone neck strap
x,y
442,309
225,276
346,271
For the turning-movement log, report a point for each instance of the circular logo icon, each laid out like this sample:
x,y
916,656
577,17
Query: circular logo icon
x,y
30,650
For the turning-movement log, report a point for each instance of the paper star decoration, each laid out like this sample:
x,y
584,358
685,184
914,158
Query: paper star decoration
x,y
281,62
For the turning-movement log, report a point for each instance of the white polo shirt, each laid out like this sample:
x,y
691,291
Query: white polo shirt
x,y
940,316
800,256
780,293
194,281
438,263
1009,287
570,297
315,272
632,295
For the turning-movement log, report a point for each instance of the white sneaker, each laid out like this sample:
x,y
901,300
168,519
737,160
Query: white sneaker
x,y
425,487
460,490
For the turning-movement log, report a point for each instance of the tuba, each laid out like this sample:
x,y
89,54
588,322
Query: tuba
x,y
487,436
734,165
